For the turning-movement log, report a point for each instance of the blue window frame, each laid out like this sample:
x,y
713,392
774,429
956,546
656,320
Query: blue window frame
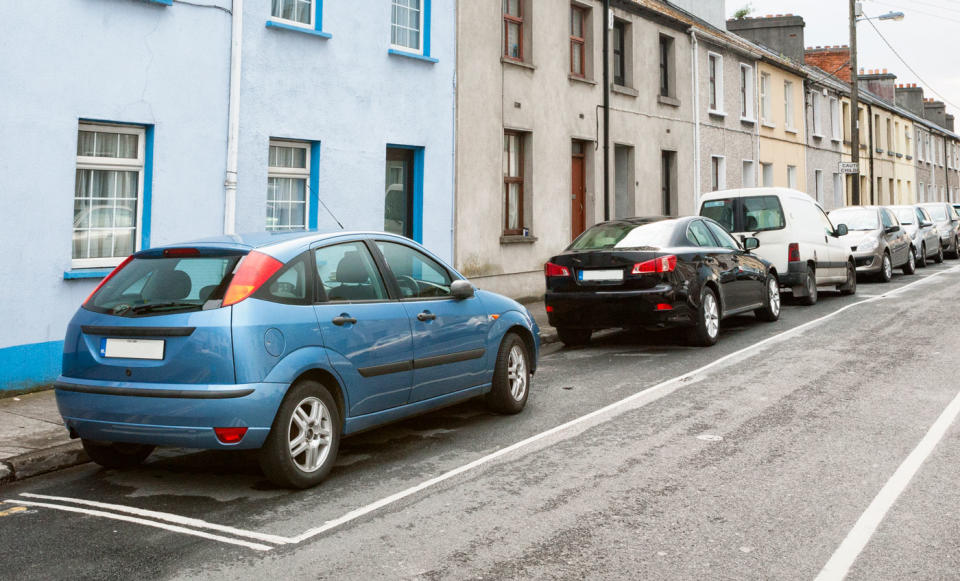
x,y
410,29
298,15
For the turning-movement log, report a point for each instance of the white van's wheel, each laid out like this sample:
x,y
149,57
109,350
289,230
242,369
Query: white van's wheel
x,y
810,286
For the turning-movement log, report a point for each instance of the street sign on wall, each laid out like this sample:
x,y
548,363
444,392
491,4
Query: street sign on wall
x,y
849,168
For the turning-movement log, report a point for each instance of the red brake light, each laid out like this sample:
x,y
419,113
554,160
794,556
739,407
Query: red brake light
x,y
119,267
664,307
793,253
659,264
255,269
230,435
174,252
551,269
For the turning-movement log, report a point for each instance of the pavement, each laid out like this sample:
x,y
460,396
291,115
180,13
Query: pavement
x,y
34,441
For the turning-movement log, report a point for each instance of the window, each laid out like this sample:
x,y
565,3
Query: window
x,y
788,106
718,179
907,141
765,99
767,169
818,185
838,196
762,213
876,130
666,60
746,92
347,272
513,174
578,41
417,275
406,25
920,156
298,12
723,237
287,175
108,194
668,180
816,113
715,73
836,131
749,178
290,286
846,122
513,29
620,30
792,176
400,204
699,235
891,146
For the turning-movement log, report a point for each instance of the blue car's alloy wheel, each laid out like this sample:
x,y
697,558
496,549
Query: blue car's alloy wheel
x,y
511,376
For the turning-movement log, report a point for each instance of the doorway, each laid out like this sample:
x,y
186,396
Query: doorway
x,y
578,189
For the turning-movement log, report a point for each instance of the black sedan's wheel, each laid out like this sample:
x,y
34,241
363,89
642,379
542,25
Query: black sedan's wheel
x,y
304,439
810,284
706,328
116,454
922,255
511,377
911,266
939,257
574,337
850,287
886,268
771,301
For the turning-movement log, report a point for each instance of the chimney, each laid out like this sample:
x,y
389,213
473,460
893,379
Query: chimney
x,y
949,122
831,59
936,112
880,83
713,11
910,97
781,33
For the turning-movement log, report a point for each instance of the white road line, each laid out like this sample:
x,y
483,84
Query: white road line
x,y
165,516
140,521
846,554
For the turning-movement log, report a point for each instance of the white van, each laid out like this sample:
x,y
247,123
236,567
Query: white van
x,y
795,235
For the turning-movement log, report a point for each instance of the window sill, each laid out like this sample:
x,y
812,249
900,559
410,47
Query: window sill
x,y
891,154
516,63
624,90
716,113
879,150
666,100
161,2
792,130
748,120
909,157
310,31
580,79
817,136
768,125
517,239
836,140
82,273
412,55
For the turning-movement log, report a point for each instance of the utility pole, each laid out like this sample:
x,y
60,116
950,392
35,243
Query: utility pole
x,y
606,108
854,105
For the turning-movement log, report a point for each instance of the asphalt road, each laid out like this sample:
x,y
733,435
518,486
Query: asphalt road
x,y
824,441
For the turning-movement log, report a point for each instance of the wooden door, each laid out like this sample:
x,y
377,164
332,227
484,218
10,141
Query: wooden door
x,y
578,193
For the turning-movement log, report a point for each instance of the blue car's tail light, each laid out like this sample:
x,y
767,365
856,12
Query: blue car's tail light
x,y
255,269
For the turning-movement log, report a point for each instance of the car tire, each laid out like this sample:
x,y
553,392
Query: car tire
x,y
511,376
309,412
922,256
810,283
850,287
574,337
910,266
939,257
116,454
886,268
706,329
770,311
956,248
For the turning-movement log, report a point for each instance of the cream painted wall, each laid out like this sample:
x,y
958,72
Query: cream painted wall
x,y
782,140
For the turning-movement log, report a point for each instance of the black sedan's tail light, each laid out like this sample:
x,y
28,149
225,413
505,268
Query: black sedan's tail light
x,y
550,269
660,264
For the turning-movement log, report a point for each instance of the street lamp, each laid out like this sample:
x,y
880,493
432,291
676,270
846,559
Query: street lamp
x,y
856,15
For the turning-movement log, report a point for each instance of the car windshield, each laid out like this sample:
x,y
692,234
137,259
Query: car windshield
x,y
939,213
905,215
747,214
150,286
625,235
856,218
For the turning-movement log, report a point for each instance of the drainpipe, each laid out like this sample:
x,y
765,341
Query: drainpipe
x,y
695,57
873,177
606,109
233,123
946,174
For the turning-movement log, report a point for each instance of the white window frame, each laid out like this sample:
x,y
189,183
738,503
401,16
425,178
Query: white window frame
x,y
291,172
818,185
788,107
836,129
720,162
114,164
838,195
298,24
817,112
792,182
765,100
746,93
715,60
748,175
419,49
763,174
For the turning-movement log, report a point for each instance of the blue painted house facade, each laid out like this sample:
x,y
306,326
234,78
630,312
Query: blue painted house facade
x,y
115,135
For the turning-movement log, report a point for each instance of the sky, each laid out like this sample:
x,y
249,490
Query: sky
x,y
926,38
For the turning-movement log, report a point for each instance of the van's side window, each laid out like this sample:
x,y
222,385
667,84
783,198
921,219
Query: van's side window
x,y
762,213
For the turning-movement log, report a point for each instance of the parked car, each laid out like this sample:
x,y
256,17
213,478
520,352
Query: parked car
x,y
795,235
283,343
878,242
922,231
948,224
657,272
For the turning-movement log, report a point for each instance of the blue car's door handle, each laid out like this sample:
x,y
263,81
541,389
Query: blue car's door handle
x,y
426,316
343,320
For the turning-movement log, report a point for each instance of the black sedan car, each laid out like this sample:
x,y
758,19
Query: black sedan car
x,y
657,272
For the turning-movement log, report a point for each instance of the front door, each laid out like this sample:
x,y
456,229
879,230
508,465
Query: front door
x,y
578,193
398,197
449,335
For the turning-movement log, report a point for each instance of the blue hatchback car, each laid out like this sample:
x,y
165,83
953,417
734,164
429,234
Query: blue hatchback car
x,y
283,342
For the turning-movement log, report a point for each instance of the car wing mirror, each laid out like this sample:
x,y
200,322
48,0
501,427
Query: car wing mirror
x,y
892,229
751,243
926,224
842,230
462,289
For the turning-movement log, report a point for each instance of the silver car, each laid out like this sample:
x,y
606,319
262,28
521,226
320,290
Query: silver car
x,y
878,242
923,232
948,223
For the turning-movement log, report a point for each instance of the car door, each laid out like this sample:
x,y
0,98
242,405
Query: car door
x,y
929,233
366,332
721,258
449,335
897,240
750,272
835,259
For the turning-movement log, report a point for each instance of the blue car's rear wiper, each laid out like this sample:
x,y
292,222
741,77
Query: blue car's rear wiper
x,y
163,306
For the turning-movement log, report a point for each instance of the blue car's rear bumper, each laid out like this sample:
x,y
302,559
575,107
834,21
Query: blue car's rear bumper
x,y
168,414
